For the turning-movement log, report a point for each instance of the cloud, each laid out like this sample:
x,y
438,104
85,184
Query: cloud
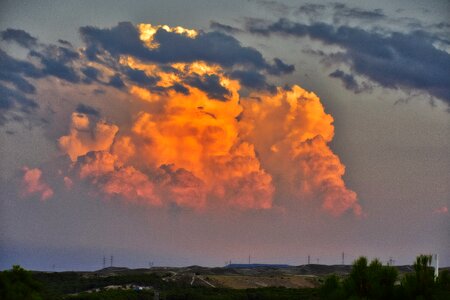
x,y
34,185
251,79
87,110
116,81
57,62
223,27
85,137
311,9
441,210
19,36
91,73
209,84
342,11
16,98
11,99
274,6
68,182
174,46
290,131
349,81
140,77
161,45
198,127
394,60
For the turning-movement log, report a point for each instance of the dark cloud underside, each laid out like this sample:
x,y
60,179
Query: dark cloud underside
x,y
394,60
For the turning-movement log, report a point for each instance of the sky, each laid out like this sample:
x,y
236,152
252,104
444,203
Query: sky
x,y
185,133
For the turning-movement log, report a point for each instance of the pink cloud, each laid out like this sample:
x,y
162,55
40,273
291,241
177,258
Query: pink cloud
x,y
33,184
442,210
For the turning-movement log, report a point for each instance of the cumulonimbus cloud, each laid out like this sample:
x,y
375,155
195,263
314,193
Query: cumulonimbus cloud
x,y
191,138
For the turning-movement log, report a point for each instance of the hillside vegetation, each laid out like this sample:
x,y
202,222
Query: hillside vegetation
x,y
362,280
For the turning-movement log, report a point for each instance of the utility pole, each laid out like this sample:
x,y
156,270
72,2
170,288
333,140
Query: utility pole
x,y
309,259
249,259
104,262
343,258
112,260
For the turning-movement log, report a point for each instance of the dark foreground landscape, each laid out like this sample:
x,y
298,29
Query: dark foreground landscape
x,y
361,280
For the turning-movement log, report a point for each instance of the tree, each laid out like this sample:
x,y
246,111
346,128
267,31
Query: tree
x,y
357,283
18,283
420,284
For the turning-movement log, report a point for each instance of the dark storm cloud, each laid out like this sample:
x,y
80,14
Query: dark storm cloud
x,y
210,84
280,67
349,81
343,11
10,65
56,61
116,81
397,60
88,110
212,47
274,6
14,99
139,77
91,73
65,43
179,88
57,66
19,36
252,79
18,81
311,8
340,12
13,71
223,27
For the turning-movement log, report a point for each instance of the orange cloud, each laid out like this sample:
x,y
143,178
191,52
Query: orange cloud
x,y
33,184
290,131
183,147
84,138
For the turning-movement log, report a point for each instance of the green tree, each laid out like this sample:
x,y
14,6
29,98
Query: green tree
x,y
357,284
381,280
420,284
18,283
373,281
332,288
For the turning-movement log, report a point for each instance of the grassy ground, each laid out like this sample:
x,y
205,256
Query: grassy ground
x,y
247,282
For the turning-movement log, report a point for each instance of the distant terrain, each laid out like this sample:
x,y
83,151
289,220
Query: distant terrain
x,y
312,281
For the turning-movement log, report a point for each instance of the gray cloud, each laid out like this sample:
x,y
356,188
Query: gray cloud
x,y
343,11
86,109
223,27
252,79
209,84
213,47
395,60
19,36
349,81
